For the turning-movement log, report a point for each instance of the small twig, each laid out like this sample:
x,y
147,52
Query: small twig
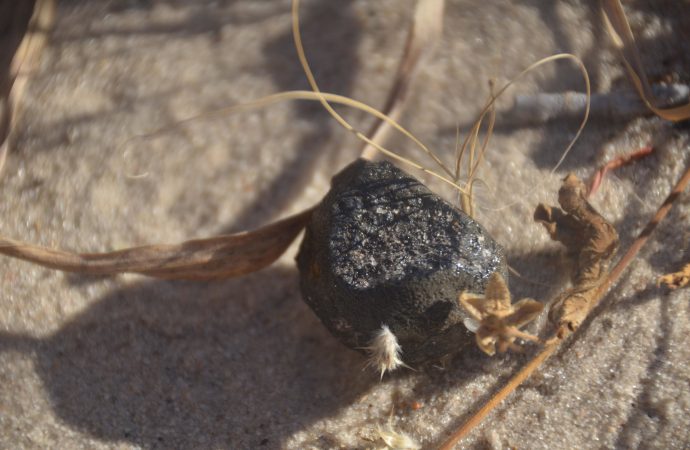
x,y
647,231
554,342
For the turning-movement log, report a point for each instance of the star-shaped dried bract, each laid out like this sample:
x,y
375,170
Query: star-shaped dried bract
x,y
499,320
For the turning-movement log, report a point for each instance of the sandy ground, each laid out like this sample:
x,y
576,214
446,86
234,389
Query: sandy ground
x,y
131,362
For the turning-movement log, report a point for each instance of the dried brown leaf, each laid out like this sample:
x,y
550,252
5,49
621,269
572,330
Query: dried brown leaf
x,y
590,240
201,259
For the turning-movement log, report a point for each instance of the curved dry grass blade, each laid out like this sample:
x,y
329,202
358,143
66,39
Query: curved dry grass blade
x,y
345,124
24,60
201,259
313,96
425,33
620,161
585,76
467,200
619,30
580,129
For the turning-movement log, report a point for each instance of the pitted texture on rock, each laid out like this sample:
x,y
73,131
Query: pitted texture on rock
x,y
381,249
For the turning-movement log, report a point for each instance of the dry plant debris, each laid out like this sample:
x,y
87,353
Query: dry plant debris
x,y
578,306
591,241
676,280
240,253
499,319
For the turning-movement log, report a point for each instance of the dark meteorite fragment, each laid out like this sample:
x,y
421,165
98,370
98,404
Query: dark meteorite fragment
x,y
382,249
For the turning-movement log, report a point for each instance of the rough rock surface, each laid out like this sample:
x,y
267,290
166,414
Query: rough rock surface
x,y
382,249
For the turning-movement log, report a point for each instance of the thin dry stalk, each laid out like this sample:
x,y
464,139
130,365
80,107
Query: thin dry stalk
x,y
428,18
532,109
501,395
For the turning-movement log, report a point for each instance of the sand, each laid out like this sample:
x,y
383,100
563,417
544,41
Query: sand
x,y
132,362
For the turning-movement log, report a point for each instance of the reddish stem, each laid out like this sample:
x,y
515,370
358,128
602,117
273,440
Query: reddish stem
x,y
620,161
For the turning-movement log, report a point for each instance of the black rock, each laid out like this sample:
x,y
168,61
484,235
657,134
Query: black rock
x,y
382,249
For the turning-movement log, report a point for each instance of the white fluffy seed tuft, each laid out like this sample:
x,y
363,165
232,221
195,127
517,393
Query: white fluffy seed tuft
x,y
384,351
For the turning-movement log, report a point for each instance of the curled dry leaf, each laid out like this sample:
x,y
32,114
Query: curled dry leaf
x,y
590,240
677,279
201,259
499,320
